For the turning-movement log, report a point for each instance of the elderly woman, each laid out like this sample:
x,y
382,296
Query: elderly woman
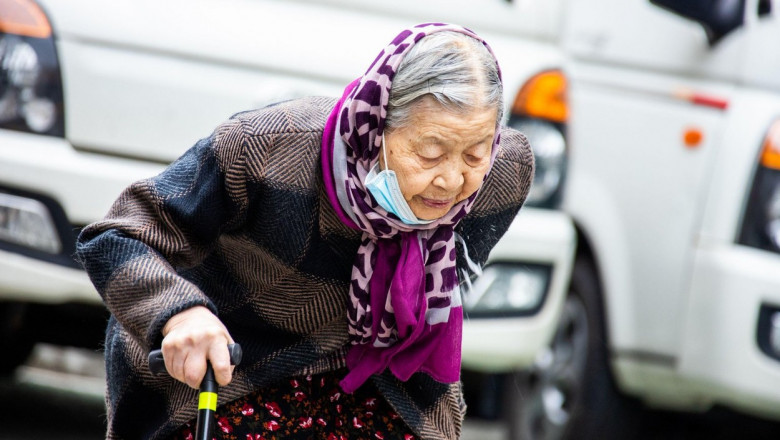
x,y
325,237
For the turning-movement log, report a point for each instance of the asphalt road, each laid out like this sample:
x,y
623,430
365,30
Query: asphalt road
x,y
58,395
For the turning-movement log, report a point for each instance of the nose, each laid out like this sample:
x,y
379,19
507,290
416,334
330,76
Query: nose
x,y
449,178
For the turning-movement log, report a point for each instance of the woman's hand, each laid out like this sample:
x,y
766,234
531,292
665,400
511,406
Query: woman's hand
x,y
192,337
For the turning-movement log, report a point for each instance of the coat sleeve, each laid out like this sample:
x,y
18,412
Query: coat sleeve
x,y
499,200
161,226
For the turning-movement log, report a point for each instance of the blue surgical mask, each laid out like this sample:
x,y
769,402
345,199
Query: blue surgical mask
x,y
383,185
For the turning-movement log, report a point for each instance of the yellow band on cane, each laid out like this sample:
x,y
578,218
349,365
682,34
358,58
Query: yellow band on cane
x,y
207,400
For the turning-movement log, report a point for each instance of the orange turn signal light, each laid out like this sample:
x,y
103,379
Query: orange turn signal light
x,y
692,137
543,96
23,17
770,154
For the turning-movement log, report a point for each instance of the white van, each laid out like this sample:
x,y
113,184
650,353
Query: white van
x,y
674,187
95,95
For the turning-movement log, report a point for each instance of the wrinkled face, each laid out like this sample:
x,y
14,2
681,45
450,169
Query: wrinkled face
x,y
440,157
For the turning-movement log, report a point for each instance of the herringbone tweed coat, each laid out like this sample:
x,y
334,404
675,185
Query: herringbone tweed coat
x,y
241,224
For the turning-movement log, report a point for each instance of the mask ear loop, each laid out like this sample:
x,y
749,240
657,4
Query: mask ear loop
x,y
384,153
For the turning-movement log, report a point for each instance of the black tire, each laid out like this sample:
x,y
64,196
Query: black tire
x,y
570,392
16,341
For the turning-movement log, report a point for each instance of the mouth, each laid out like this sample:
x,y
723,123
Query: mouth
x,y
437,203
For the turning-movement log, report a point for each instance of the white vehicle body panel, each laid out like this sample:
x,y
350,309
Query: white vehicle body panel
x,y
637,190
191,65
761,64
681,296
638,34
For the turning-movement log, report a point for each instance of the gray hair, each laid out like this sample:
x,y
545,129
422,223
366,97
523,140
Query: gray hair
x,y
456,70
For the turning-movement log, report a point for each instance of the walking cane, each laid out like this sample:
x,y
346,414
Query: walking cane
x,y
207,400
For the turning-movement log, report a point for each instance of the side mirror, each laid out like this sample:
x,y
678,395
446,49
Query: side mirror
x,y
717,17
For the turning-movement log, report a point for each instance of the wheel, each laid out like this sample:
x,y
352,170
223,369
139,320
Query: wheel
x,y
16,342
569,392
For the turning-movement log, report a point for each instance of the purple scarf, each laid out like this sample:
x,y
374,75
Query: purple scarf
x,y
404,305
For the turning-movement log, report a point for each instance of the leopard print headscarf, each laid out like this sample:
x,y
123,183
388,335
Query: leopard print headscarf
x,y
404,306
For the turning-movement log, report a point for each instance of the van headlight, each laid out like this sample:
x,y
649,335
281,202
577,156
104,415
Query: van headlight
x,y
30,81
508,290
761,220
549,147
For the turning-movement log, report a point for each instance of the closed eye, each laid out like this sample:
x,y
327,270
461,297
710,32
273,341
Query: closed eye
x,y
474,160
431,160
477,154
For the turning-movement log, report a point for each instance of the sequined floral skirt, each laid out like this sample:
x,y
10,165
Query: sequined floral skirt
x,y
308,407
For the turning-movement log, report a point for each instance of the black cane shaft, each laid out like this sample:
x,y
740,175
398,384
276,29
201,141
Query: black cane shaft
x,y
207,405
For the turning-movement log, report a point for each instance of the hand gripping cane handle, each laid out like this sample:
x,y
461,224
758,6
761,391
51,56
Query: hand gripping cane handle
x,y
157,363
207,400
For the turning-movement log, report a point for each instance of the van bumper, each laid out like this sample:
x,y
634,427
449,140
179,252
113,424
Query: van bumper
x,y
722,357
76,188
503,342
